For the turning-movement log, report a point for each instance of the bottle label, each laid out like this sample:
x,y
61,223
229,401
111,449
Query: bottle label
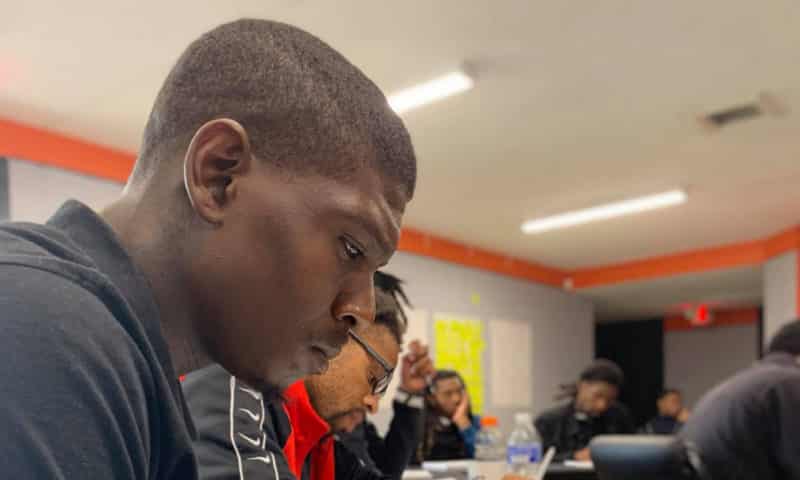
x,y
524,453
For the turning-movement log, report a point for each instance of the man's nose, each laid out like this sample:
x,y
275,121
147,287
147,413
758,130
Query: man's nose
x,y
355,307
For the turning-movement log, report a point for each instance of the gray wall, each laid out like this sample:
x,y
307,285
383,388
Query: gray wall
x,y
562,323
780,292
36,191
4,214
696,360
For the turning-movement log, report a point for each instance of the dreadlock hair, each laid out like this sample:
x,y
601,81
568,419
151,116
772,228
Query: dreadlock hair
x,y
389,300
432,424
304,106
601,370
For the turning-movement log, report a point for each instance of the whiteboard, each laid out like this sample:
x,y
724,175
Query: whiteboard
x,y
510,363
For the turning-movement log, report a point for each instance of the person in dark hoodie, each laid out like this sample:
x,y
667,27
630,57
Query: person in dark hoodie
x,y
239,437
748,427
671,414
592,410
269,187
392,453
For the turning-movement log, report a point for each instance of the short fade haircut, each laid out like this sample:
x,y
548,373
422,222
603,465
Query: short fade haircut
x,y
304,106
388,308
786,340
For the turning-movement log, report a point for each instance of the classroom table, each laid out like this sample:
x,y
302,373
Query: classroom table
x,y
558,471
470,470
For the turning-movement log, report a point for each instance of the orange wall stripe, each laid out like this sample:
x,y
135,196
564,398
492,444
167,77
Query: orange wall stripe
x,y
62,151
42,146
782,242
748,253
722,318
414,241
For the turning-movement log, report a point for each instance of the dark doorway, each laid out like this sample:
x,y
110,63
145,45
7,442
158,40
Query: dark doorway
x,y
638,348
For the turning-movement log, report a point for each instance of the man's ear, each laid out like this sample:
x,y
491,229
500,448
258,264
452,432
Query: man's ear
x,y
218,155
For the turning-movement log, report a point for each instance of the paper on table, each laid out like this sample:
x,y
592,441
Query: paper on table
x,y
510,358
582,464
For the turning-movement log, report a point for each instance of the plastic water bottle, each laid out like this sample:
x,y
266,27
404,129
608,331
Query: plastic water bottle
x,y
524,447
489,441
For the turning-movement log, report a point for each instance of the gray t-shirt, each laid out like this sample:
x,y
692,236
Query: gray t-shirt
x,y
749,426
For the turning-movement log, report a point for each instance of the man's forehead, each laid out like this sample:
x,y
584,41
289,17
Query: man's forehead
x,y
381,338
451,383
371,210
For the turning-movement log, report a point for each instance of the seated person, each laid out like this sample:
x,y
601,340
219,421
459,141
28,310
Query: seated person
x,y
390,455
240,435
671,414
449,427
592,410
748,427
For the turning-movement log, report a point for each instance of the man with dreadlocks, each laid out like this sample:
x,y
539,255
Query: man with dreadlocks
x,y
391,454
240,437
592,409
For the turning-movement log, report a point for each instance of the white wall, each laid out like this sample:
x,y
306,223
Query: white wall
x,y
562,323
36,191
698,359
780,292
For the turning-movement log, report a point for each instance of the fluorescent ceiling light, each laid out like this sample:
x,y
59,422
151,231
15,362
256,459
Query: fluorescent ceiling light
x,y
424,93
602,212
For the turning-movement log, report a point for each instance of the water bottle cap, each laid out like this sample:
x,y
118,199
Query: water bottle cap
x,y
523,417
488,421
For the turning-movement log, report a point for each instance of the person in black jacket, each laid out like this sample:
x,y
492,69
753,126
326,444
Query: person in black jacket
x,y
270,185
748,427
392,453
240,435
592,410
671,414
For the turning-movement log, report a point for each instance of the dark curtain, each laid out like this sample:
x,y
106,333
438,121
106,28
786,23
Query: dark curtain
x,y
638,348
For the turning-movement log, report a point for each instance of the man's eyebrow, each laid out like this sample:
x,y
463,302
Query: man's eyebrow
x,y
386,244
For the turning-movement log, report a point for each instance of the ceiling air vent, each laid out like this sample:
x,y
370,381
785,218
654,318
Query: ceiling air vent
x,y
767,104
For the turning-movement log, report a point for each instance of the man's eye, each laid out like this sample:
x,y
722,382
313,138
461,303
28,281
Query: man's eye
x,y
351,250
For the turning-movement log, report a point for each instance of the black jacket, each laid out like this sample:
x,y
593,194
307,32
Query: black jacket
x,y
392,454
561,427
88,386
749,426
661,425
241,435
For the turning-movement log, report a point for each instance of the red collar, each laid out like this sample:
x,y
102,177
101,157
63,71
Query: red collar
x,y
309,435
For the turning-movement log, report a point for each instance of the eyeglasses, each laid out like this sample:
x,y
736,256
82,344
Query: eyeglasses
x,y
379,385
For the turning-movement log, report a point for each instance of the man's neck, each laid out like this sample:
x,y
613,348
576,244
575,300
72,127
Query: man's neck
x,y
143,236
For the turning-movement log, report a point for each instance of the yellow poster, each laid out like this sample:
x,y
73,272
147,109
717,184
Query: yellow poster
x,y
459,346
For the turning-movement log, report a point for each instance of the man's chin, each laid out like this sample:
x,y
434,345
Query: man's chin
x,y
347,422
